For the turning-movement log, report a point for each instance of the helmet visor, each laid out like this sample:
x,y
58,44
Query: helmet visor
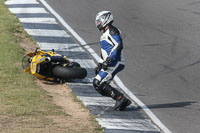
x,y
99,24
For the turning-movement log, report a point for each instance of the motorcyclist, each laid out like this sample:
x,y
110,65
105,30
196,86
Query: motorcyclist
x,y
111,61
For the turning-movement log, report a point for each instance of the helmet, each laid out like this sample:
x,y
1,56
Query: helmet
x,y
103,19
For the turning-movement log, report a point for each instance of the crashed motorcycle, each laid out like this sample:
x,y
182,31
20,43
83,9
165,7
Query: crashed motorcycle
x,y
52,66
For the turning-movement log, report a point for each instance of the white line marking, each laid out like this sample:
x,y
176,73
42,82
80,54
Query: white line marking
x,y
11,2
99,101
38,20
103,101
41,32
127,124
27,10
118,81
59,46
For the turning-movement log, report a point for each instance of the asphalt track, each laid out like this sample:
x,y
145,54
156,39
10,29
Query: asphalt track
x,y
162,44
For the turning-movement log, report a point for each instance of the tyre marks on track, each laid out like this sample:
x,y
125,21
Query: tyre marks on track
x,y
44,28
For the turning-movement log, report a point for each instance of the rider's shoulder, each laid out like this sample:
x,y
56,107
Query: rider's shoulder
x,y
114,30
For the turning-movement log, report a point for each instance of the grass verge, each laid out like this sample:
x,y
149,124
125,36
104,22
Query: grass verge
x,y
24,107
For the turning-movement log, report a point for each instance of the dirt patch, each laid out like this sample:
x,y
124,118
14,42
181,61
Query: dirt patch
x,y
25,42
79,118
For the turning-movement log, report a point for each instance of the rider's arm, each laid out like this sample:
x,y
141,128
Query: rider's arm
x,y
117,46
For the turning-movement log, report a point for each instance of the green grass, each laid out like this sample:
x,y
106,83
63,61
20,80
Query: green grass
x,y
24,107
17,87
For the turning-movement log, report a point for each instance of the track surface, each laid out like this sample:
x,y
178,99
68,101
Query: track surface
x,y
162,44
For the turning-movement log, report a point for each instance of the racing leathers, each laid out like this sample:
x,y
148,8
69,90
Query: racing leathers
x,y
112,59
111,62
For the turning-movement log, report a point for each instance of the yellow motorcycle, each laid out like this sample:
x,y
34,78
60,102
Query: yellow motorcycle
x,y
52,66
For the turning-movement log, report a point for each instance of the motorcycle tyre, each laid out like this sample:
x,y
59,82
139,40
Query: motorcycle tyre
x,y
69,72
75,64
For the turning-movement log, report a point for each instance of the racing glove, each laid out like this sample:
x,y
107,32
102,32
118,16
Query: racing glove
x,y
106,63
98,68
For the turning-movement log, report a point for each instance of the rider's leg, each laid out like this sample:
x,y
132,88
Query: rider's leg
x,y
121,101
105,89
101,84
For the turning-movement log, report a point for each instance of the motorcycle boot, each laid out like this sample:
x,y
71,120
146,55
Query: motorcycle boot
x,y
121,103
109,91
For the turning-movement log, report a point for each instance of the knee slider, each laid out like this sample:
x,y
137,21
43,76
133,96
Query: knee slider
x,y
98,86
96,83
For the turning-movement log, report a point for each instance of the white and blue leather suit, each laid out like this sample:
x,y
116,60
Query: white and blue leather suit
x,y
112,49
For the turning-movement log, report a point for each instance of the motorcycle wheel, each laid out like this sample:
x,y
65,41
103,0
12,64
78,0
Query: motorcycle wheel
x,y
69,72
75,64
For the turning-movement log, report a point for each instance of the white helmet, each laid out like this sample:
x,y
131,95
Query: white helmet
x,y
103,19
